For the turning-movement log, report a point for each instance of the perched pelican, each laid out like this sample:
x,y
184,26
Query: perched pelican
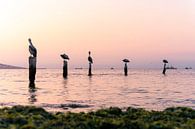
x,y
164,69
165,61
65,57
126,61
90,58
32,49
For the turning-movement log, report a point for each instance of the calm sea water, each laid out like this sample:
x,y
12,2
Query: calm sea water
x,y
141,88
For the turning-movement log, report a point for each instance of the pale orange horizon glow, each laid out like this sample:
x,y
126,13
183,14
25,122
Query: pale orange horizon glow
x,y
145,31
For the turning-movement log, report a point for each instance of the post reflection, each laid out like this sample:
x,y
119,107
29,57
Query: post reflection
x,y
32,93
90,93
64,91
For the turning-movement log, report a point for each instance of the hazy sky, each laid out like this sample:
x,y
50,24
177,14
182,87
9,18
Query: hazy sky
x,y
145,31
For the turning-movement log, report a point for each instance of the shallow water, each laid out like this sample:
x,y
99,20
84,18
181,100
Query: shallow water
x,y
141,88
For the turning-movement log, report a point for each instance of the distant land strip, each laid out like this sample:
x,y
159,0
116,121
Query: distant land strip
x,y
5,66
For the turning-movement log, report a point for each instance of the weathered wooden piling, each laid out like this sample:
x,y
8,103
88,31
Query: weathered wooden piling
x,y
90,67
126,69
65,69
32,69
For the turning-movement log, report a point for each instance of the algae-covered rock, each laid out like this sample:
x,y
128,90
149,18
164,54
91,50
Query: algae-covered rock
x,y
27,117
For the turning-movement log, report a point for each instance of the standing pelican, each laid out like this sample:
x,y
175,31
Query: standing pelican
x,y
126,67
32,49
65,67
164,68
90,63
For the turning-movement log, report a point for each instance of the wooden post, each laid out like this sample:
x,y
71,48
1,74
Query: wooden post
x,y
164,69
65,69
90,73
32,70
126,69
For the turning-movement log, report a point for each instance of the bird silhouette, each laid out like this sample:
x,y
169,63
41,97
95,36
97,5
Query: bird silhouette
x,y
32,49
126,61
64,56
90,58
165,61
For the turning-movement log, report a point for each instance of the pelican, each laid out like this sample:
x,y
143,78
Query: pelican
x,y
32,49
165,61
90,58
126,61
65,57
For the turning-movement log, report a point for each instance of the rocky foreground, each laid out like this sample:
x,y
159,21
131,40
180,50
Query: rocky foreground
x,y
20,117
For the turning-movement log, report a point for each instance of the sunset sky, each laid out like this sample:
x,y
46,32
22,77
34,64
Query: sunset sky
x,y
145,31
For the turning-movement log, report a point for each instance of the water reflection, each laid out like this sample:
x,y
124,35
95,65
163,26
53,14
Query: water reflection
x,y
65,82
32,93
64,91
90,92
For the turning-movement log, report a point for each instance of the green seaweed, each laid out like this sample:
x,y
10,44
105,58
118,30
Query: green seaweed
x,y
28,117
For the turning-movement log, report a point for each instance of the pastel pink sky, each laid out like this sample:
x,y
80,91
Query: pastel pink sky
x,y
145,31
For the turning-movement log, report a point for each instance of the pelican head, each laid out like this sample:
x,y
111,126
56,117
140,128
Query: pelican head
x,y
29,40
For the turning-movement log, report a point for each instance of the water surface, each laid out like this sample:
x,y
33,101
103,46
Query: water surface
x,y
141,88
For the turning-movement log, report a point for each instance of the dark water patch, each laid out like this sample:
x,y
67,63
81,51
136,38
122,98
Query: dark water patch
x,y
78,101
20,81
65,106
8,104
177,92
190,100
4,90
159,98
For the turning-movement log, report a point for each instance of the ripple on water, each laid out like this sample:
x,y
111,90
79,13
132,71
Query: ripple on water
x,y
143,88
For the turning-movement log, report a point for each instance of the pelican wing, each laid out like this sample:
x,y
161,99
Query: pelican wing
x,y
33,50
32,46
